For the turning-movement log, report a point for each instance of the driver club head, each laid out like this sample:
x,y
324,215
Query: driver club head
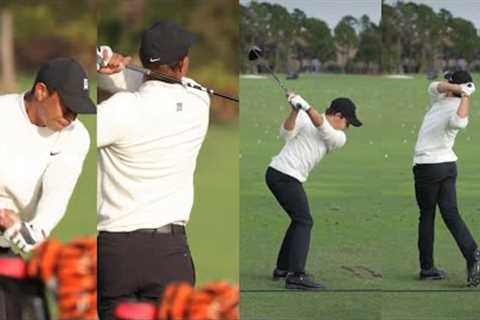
x,y
254,53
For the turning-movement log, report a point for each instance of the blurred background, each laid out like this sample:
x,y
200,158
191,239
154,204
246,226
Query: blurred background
x,y
31,33
214,227
214,57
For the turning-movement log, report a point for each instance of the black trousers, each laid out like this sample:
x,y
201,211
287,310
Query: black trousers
x,y
435,185
138,266
291,196
22,299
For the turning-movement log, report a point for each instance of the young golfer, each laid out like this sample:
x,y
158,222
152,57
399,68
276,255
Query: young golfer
x,y
435,173
309,136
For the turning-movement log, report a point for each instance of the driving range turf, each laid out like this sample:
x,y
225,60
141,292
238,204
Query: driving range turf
x,y
362,200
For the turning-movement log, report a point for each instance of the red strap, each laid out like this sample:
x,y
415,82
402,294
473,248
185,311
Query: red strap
x,y
135,311
13,267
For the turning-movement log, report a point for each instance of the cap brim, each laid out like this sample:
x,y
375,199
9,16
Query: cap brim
x,y
80,104
355,122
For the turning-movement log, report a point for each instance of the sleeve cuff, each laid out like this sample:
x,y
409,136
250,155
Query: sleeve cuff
x,y
457,122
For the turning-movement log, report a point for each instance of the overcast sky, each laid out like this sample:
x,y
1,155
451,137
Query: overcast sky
x,y
331,11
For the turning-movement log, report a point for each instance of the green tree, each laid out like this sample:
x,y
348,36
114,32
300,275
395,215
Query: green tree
x,y
445,42
391,39
465,40
321,42
370,44
346,39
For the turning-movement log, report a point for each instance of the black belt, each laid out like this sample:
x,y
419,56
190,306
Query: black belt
x,y
168,229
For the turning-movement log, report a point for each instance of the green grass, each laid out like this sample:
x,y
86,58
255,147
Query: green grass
x,y
214,226
361,197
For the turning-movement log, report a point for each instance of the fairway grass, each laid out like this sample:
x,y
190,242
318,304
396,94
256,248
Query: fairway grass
x,y
362,200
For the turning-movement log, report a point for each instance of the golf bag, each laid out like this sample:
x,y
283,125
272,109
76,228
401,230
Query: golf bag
x,y
214,301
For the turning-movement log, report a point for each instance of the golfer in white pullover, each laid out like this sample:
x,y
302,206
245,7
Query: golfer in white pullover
x,y
42,150
43,147
435,173
309,136
149,138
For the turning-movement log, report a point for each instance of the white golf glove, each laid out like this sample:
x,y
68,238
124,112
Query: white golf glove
x,y
104,54
297,102
23,237
468,89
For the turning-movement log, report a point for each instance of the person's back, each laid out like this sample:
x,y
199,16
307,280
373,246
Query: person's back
x,y
440,126
147,163
149,139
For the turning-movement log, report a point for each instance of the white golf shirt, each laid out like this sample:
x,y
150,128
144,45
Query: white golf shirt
x,y
439,129
148,144
38,167
305,146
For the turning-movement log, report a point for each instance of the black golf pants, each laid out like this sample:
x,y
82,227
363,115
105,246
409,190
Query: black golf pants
x,y
138,266
291,196
435,185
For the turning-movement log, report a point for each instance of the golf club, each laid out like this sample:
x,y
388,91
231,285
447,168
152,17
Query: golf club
x,y
255,53
161,76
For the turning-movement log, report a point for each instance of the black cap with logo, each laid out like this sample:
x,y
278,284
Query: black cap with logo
x,y
165,43
458,77
67,77
346,108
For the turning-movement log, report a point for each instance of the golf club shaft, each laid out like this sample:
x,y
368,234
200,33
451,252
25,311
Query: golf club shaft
x,y
161,76
255,54
285,90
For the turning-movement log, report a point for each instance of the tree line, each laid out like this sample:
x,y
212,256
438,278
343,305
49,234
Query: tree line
x,y
409,38
418,39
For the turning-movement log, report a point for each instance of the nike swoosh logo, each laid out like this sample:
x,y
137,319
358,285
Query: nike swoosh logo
x,y
54,153
154,60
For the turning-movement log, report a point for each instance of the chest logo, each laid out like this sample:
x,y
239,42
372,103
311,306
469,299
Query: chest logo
x,y
179,106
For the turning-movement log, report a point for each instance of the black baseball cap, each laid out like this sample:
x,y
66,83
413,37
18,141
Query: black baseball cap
x,y
165,43
458,77
67,77
346,108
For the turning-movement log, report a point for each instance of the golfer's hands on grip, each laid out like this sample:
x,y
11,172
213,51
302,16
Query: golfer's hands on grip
x,y
468,89
297,102
22,236
7,219
109,62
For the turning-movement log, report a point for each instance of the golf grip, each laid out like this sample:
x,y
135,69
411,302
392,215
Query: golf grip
x,y
162,76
